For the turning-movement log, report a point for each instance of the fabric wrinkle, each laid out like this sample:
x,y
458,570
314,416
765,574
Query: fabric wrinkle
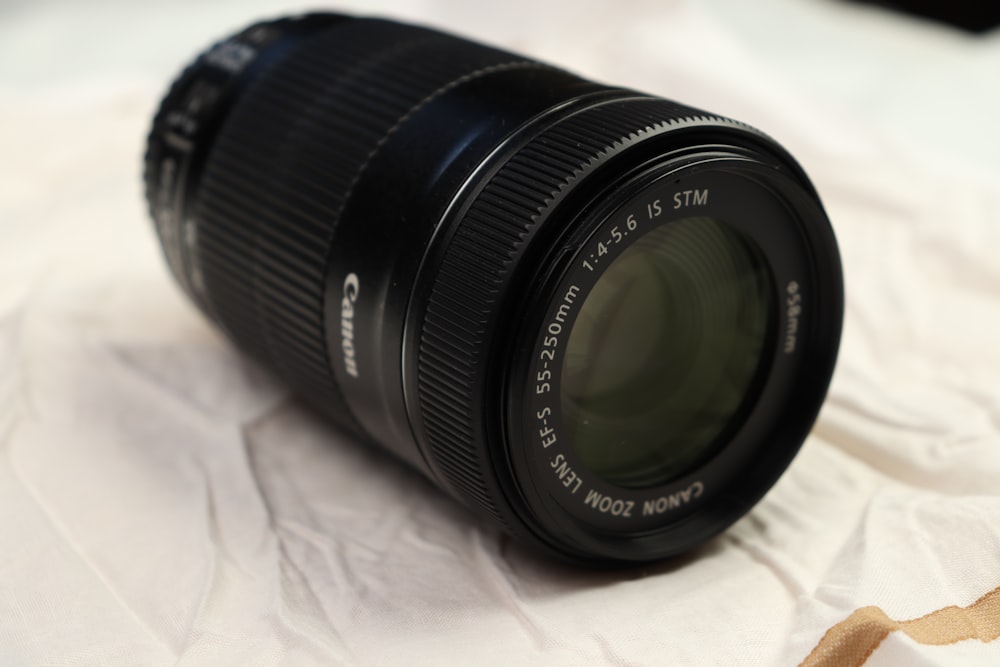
x,y
496,580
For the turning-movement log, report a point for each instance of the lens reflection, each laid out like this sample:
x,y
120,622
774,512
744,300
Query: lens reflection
x,y
664,351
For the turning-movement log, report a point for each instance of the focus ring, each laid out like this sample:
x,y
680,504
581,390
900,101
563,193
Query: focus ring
x,y
469,290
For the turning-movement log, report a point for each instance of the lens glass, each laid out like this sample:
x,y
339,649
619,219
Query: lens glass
x,y
664,352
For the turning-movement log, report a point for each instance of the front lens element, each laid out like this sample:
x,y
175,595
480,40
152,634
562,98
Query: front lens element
x,y
664,351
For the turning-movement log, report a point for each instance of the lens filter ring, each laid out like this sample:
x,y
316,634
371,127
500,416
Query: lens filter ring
x,y
773,217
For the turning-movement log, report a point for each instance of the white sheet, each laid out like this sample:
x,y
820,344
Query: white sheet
x,y
163,501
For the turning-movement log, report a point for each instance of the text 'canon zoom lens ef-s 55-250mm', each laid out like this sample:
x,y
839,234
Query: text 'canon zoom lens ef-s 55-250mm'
x,y
601,319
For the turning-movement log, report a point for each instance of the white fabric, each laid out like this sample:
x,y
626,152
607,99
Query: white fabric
x,y
163,501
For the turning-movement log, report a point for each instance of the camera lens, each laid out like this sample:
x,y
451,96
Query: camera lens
x,y
602,320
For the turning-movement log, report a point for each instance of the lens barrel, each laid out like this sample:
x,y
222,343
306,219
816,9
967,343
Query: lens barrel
x,y
421,235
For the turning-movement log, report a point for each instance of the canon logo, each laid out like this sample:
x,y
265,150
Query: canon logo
x,y
351,288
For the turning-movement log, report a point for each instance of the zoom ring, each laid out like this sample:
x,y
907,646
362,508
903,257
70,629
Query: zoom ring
x,y
469,290
281,172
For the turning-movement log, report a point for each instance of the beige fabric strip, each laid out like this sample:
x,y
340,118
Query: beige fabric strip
x,y
850,642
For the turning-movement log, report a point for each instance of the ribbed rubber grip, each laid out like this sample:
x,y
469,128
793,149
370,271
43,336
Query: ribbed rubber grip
x,y
281,170
465,302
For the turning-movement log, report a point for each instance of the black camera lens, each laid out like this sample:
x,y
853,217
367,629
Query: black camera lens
x,y
603,320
